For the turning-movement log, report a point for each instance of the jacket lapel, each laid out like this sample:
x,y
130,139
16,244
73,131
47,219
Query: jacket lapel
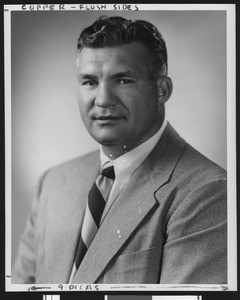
x,y
65,216
134,203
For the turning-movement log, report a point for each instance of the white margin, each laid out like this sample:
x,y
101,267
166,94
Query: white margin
x,y
116,7
231,149
8,152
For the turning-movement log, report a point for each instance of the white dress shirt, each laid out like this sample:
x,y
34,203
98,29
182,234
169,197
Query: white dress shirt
x,y
126,164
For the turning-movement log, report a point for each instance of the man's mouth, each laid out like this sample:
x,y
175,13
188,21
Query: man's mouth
x,y
108,119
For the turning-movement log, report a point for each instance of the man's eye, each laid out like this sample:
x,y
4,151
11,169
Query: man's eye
x,y
125,81
89,83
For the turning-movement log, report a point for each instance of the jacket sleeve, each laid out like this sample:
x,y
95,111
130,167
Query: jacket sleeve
x,y
195,251
24,269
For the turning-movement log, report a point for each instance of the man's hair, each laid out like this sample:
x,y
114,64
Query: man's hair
x,y
117,31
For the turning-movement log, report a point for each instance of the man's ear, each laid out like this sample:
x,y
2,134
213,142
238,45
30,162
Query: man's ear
x,y
165,87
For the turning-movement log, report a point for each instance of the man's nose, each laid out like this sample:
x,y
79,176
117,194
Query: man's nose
x,y
105,96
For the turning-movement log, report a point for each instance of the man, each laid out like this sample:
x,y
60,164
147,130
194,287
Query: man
x,y
164,220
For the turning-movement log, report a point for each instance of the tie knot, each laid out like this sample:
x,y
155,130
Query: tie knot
x,y
109,172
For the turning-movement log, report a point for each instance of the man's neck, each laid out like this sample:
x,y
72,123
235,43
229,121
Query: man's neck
x,y
114,151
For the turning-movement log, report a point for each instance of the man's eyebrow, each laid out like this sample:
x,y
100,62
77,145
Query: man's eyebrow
x,y
120,74
86,76
124,74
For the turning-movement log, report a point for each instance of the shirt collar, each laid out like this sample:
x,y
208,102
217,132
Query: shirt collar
x,y
126,164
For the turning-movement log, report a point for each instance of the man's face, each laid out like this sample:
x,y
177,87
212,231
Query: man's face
x,y
118,101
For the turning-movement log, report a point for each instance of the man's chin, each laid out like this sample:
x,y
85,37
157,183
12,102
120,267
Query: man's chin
x,y
107,137
108,142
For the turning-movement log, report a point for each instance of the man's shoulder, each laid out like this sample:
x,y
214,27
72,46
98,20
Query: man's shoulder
x,y
190,169
75,167
195,182
195,172
195,161
191,159
80,161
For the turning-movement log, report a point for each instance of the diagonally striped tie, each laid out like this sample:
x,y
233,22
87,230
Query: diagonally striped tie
x,y
97,198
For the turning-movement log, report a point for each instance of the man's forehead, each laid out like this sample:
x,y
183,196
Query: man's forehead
x,y
129,57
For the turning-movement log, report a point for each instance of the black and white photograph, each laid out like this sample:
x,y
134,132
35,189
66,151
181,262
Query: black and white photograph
x,y
120,147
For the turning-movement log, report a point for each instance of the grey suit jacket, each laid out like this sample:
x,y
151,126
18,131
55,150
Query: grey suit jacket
x,y
171,216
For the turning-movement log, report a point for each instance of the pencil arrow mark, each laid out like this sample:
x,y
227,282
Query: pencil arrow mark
x,y
35,288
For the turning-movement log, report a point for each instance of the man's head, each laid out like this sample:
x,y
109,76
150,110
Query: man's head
x,y
117,31
123,83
